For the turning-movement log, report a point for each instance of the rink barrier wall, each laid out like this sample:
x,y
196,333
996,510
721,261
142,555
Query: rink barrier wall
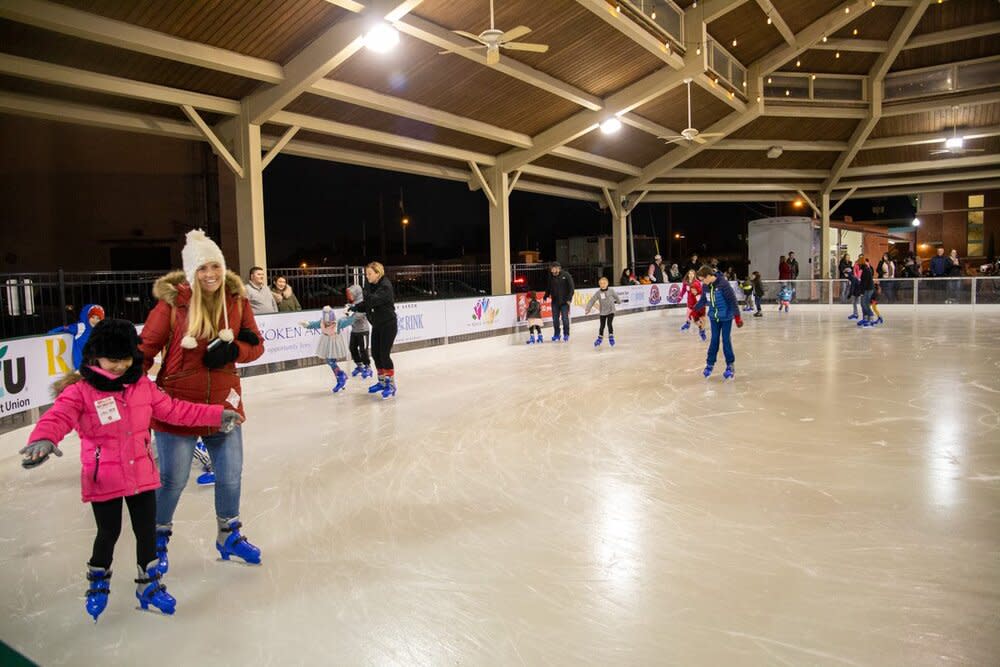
x,y
29,365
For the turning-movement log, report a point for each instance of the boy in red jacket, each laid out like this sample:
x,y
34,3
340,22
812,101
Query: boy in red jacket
x,y
111,403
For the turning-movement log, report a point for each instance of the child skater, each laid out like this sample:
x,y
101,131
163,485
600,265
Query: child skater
x,y
719,298
784,297
607,299
331,347
360,335
758,293
692,287
534,317
111,403
876,296
746,286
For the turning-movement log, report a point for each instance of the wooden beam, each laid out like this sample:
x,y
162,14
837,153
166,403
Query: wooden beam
x,y
778,22
811,203
767,144
924,165
213,139
929,138
860,45
513,181
843,199
281,143
474,168
633,31
953,35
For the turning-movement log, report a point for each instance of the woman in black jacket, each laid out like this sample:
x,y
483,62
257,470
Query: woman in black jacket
x,y
379,304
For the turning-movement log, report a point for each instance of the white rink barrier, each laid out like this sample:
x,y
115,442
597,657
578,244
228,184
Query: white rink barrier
x,y
29,366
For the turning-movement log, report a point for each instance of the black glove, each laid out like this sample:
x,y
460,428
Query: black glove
x,y
220,353
248,336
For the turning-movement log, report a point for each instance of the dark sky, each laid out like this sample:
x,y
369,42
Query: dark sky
x,y
328,213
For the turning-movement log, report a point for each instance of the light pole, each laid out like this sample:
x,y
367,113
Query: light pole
x,y
406,223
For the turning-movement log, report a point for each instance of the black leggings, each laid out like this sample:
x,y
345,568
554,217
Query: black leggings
x,y
608,320
534,328
359,348
383,336
142,512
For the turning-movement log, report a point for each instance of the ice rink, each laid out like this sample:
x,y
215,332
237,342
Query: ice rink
x,y
837,504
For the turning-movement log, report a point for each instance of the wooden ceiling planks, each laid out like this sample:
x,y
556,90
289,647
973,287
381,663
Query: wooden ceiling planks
x,y
584,51
343,112
821,61
795,129
747,24
378,150
670,109
800,13
922,152
29,42
628,145
269,29
877,23
416,72
957,14
939,54
751,160
968,116
573,167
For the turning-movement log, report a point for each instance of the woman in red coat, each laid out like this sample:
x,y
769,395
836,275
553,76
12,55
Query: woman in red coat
x,y
191,325
784,269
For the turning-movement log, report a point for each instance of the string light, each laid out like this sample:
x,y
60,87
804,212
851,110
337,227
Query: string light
x,y
698,51
758,98
855,32
814,77
847,10
618,8
824,39
769,79
653,15
787,92
734,42
837,54
798,63
769,20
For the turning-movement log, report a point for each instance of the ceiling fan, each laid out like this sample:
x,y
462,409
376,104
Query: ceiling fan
x,y
690,134
493,40
955,145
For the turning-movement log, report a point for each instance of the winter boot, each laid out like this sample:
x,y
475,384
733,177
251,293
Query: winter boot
x,y
378,386
341,381
707,371
100,589
390,388
149,590
728,373
701,332
230,542
611,340
163,533
686,326
600,339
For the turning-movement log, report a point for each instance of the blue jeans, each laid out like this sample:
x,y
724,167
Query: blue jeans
x,y
725,330
866,304
176,452
560,310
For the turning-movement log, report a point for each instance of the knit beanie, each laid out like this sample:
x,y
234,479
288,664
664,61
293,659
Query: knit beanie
x,y
114,339
198,251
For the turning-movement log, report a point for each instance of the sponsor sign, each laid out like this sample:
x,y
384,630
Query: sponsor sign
x,y
464,316
28,367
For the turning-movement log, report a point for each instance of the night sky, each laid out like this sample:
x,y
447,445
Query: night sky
x,y
325,213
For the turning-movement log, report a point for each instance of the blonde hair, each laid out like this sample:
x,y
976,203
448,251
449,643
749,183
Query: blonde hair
x,y
377,268
205,312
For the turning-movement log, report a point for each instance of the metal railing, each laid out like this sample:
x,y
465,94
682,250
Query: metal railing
x,y
816,87
664,15
938,79
725,64
958,290
525,277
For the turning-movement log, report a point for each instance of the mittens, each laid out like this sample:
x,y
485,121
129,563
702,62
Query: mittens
x,y
219,354
248,336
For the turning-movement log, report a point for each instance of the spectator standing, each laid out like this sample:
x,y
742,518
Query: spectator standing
x,y
261,299
284,296
674,274
793,266
784,269
842,266
886,270
655,272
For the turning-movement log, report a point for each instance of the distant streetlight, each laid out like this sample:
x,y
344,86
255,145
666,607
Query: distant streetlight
x,y
406,223
797,203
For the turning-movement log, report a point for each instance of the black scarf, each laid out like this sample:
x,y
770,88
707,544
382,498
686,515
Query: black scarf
x,y
101,383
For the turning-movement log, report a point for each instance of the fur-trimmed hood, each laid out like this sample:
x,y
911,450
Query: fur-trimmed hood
x,y
175,290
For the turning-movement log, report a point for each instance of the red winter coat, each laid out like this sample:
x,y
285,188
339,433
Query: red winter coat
x,y
116,457
784,271
182,373
693,291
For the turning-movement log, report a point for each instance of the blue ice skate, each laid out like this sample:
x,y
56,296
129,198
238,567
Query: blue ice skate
x,y
707,371
555,338
701,332
728,373
611,340
600,339
236,544
686,326
341,381
151,592
358,370
163,534
377,387
99,590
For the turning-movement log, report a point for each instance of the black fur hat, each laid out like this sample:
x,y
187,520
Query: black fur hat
x,y
114,339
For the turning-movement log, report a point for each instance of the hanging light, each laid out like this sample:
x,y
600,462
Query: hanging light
x,y
734,42
769,79
824,39
798,63
855,32
382,38
847,10
698,51
653,14
618,8
813,77
787,92
769,19
611,125
837,55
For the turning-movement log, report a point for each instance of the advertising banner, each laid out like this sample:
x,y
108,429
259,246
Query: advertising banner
x,y
285,337
420,320
465,316
28,367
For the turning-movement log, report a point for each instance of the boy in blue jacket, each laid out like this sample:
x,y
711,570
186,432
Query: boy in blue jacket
x,y
723,308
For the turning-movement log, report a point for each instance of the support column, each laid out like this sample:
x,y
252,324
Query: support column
x,y
619,233
824,235
249,195
499,185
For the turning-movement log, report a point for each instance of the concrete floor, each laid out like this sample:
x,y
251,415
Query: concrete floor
x,y
836,504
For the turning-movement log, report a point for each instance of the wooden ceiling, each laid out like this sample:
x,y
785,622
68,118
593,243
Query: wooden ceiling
x,y
595,58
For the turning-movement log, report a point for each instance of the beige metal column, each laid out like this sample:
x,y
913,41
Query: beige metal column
x,y
824,235
499,187
619,234
250,196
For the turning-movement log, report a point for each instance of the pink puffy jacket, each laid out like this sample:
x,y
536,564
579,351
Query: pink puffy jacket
x,y
116,457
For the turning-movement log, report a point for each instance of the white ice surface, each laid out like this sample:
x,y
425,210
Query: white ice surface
x,y
837,504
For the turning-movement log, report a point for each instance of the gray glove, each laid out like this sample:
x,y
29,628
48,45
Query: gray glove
x,y
230,420
37,452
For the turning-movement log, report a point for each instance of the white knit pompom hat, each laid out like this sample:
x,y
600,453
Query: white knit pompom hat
x,y
198,251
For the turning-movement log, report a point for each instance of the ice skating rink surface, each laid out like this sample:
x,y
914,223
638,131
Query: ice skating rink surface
x,y
837,504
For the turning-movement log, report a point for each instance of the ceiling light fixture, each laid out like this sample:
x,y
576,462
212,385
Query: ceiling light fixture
x,y
916,223
382,38
611,125
952,143
775,152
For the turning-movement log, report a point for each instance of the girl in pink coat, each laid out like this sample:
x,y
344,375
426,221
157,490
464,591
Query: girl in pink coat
x,y
111,403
